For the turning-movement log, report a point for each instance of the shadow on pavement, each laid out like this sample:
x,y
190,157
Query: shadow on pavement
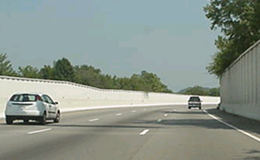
x,y
168,123
252,155
245,124
185,112
249,125
102,126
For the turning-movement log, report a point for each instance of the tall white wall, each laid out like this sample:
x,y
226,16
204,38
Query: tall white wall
x,y
240,85
75,96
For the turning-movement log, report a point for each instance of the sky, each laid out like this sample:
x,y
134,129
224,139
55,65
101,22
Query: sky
x,y
171,38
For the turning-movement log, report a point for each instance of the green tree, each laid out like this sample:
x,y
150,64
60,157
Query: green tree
x,y
239,22
214,92
196,90
63,70
88,75
29,72
154,82
124,83
47,72
6,68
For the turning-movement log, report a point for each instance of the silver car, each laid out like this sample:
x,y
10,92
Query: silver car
x,y
194,102
31,106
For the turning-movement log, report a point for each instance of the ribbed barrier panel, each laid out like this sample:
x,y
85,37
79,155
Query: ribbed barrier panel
x,y
240,85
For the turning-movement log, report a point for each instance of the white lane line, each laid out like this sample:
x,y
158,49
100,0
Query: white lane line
x,y
133,111
144,109
92,120
165,115
231,126
39,131
119,114
159,120
144,132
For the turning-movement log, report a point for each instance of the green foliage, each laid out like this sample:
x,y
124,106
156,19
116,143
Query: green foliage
x,y
239,21
6,66
198,90
63,70
29,72
87,75
214,92
145,81
47,72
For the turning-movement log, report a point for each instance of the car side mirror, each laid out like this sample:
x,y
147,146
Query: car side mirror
x,y
56,103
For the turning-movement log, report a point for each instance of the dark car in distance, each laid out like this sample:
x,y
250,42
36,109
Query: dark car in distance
x,y
194,102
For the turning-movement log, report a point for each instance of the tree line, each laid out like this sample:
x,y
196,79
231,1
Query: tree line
x,y
202,91
63,70
238,20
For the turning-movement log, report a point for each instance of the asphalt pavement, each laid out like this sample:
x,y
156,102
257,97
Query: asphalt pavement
x,y
141,133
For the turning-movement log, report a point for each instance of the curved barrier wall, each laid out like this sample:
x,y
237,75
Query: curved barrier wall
x,y
240,85
72,96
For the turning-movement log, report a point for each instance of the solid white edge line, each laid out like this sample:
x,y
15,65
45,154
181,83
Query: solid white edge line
x,y
235,128
119,114
39,131
92,120
144,132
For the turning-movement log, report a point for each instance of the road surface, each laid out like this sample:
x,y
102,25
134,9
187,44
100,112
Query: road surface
x,y
142,133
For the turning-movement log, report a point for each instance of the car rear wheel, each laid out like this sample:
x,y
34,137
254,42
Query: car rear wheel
x,y
189,107
9,120
57,119
26,120
200,108
43,119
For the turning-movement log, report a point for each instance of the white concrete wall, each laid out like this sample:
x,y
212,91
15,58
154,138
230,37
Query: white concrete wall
x,y
74,96
240,85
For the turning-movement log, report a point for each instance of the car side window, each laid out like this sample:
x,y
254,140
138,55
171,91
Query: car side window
x,y
49,100
44,99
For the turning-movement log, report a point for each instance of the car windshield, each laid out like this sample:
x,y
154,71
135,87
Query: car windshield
x,y
24,98
194,99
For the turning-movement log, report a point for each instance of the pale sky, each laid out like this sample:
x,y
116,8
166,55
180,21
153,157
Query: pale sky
x,y
171,38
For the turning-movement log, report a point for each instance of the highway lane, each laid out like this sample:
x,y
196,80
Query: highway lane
x,y
162,132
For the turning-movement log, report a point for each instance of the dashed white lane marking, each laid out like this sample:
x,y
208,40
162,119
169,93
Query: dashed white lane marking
x,y
92,120
119,114
39,131
231,126
144,132
165,115
133,111
159,120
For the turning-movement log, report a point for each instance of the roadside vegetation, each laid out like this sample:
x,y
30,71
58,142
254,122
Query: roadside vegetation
x,y
202,91
238,21
63,70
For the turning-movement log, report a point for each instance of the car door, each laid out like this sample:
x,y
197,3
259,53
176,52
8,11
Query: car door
x,y
48,106
52,109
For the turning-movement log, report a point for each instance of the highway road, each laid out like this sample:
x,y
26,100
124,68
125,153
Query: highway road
x,y
141,133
